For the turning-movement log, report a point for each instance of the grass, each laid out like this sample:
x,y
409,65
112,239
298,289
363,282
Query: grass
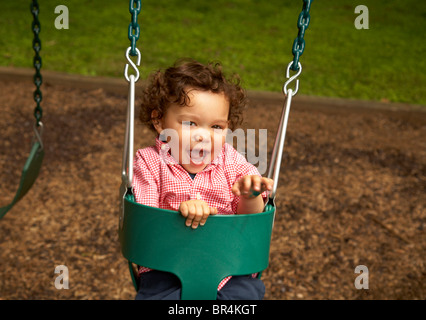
x,y
250,37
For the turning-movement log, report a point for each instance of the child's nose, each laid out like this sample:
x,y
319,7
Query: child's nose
x,y
201,135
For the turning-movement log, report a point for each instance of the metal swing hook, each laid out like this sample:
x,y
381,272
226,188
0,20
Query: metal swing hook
x,y
292,78
134,66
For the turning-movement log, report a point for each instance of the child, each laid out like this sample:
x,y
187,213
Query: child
x,y
191,169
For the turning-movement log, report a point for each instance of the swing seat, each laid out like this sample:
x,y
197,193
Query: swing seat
x,y
29,175
226,245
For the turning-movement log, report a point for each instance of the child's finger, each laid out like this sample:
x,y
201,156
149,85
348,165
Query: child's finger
x,y
246,184
191,214
199,214
267,184
183,208
187,211
256,180
236,188
206,213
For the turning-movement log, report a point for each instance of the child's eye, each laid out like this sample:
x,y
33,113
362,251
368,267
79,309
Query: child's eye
x,y
216,126
188,123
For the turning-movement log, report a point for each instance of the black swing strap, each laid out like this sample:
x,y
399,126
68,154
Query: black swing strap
x,y
34,161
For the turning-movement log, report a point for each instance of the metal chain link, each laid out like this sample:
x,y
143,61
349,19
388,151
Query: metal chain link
x,y
38,80
134,30
299,42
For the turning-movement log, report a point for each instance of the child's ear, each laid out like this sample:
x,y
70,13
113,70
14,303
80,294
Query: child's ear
x,y
156,121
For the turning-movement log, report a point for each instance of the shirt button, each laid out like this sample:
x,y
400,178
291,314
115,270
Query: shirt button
x,y
198,196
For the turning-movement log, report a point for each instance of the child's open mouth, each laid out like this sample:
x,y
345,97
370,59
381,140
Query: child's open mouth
x,y
199,156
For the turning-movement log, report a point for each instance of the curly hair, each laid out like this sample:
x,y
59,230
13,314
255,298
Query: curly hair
x,y
172,85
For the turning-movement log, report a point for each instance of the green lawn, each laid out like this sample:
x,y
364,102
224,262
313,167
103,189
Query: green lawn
x,y
250,37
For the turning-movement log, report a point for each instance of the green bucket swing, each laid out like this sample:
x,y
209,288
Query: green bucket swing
x,y
158,238
34,161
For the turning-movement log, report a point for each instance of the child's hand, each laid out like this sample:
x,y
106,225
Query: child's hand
x,y
250,187
196,212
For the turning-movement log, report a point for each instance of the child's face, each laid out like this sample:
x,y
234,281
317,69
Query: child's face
x,y
196,132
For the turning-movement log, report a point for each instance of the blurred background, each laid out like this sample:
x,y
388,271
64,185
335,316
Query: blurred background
x,y
252,38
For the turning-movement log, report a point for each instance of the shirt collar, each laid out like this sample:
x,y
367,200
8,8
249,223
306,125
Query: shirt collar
x,y
163,150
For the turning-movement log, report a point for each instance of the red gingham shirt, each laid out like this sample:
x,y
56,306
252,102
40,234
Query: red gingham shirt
x,y
160,181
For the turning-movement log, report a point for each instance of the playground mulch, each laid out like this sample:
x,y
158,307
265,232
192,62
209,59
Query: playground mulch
x,y
351,192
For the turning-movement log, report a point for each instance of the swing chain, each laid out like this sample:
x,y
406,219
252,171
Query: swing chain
x,y
38,80
299,42
134,30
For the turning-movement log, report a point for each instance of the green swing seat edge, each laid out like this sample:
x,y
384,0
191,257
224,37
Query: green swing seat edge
x,y
29,175
226,245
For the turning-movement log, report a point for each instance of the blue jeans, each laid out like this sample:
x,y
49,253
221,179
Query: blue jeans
x,y
158,285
